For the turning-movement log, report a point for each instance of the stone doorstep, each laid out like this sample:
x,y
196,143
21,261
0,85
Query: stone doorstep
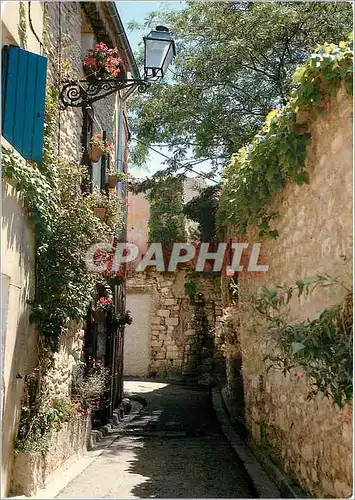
x,y
287,487
123,409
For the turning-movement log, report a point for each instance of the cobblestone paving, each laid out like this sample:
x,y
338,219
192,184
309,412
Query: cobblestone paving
x,y
173,449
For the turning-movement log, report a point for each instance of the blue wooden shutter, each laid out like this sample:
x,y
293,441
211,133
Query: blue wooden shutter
x,y
23,100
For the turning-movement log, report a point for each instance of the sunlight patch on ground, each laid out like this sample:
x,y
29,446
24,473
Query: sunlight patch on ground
x,y
131,386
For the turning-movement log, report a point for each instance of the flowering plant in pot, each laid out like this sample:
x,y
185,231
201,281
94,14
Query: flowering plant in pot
x,y
104,304
102,307
99,147
114,176
121,319
115,279
108,208
111,277
102,62
88,386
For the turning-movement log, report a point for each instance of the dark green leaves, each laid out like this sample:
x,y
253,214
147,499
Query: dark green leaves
x,y
322,348
167,221
277,154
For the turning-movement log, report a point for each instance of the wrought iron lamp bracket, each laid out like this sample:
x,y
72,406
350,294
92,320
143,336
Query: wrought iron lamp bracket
x,y
83,93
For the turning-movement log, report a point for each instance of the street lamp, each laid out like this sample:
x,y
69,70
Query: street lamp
x,y
159,51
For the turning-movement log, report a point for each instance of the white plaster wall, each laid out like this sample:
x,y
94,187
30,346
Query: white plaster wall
x,y
137,336
10,17
19,339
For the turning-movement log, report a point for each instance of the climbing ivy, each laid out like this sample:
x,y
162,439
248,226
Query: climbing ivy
x,y
201,347
167,221
277,154
202,209
65,227
190,286
322,348
22,26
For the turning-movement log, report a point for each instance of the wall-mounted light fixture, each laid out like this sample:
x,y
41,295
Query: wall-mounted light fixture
x,y
159,51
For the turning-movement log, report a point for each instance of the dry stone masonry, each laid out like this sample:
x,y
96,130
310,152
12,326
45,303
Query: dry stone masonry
x,y
172,318
311,439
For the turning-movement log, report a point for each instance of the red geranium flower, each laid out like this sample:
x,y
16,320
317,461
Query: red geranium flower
x,y
91,61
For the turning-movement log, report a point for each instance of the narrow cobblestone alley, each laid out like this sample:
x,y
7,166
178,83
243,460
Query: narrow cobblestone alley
x,y
174,448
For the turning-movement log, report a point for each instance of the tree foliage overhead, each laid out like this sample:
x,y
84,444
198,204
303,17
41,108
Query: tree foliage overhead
x,y
167,221
278,152
202,209
234,64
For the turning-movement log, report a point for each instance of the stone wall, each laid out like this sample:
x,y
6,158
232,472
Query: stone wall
x,y
67,23
58,379
172,317
32,470
19,338
311,439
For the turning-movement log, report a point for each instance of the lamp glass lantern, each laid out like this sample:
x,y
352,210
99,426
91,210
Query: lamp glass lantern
x,y
159,51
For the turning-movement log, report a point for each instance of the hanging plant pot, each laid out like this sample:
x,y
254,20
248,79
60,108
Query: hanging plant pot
x,y
122,74
95,154
112,181
99,316
116,280
100,213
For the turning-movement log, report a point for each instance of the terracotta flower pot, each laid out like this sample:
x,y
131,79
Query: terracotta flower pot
x,y
95,154
100,213
122,75
302,117
112,181
99,316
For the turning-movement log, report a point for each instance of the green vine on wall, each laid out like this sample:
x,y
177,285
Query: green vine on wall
x,y
322,348
22,27
191,289
65,227
201,347
167,221
41,414
278,152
